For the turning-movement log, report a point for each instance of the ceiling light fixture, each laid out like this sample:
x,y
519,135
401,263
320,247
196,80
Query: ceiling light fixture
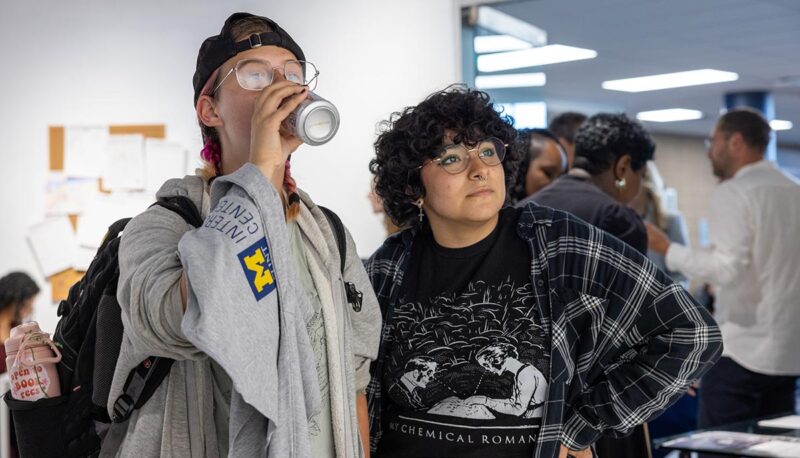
x,y
670,80
533,57
510,80
781,124
669,115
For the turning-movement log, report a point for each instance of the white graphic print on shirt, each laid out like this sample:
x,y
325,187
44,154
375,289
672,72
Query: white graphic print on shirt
x,y
468,369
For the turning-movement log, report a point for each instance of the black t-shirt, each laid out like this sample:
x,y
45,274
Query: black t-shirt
x,y
467,373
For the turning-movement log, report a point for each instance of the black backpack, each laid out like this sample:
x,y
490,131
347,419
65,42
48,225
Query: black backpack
x,y
89,335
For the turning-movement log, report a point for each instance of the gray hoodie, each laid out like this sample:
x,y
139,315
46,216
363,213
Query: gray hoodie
x,y
248,311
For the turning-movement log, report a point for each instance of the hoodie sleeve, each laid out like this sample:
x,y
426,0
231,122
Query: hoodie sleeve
x,y
148,289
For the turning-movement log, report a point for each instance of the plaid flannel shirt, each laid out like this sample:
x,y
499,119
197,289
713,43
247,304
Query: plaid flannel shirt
x,y
625,340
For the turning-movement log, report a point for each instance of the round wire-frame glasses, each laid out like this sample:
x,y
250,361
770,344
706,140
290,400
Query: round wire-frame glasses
x,y
454,159
256,74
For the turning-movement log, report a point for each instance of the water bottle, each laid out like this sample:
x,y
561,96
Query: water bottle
x,y
31,358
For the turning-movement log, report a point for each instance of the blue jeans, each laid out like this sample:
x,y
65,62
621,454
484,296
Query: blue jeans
x,y
729,393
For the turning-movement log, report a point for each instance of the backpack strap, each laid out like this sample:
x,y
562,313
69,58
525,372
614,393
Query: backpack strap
x,y
148,375
140,386
338,232
354,296
184,207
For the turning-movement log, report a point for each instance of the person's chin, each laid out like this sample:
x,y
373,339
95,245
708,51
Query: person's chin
x,y
483,211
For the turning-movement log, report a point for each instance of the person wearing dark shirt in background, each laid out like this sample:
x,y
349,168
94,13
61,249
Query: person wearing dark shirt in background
x,y
611,152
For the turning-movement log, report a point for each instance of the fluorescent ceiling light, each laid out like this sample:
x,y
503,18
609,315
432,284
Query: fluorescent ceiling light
x,y
780,124
498,43
669,115
544,55
512,80
670,80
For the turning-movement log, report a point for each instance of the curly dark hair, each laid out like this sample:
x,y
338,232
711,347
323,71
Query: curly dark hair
x,y
410,136
15,288
604,137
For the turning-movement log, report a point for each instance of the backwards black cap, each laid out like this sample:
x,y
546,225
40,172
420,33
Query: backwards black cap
x,y
217,49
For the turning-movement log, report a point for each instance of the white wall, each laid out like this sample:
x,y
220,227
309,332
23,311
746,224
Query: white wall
x,y
122,62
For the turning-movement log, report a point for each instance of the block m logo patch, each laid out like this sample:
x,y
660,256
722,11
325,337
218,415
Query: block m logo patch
x,y
257,266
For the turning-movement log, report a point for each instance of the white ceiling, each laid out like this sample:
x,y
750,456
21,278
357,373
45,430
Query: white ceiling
x,y
758,39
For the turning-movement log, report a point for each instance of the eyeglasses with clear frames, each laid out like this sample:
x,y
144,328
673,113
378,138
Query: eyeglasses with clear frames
x,y
256,74
454,159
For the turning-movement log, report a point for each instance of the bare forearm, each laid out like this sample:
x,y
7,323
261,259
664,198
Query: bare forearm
x,y
184,291
363,421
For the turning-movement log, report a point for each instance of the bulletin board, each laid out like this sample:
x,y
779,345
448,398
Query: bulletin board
x,y
61,282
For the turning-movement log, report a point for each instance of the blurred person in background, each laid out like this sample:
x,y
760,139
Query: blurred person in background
x,y
611,151
17,293
542,159
651,206
753,264
377,208
565,126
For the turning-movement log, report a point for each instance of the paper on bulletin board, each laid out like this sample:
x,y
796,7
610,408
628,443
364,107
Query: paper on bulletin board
x,y
104,210
68,196
84,150
163,160
124,162
53,244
